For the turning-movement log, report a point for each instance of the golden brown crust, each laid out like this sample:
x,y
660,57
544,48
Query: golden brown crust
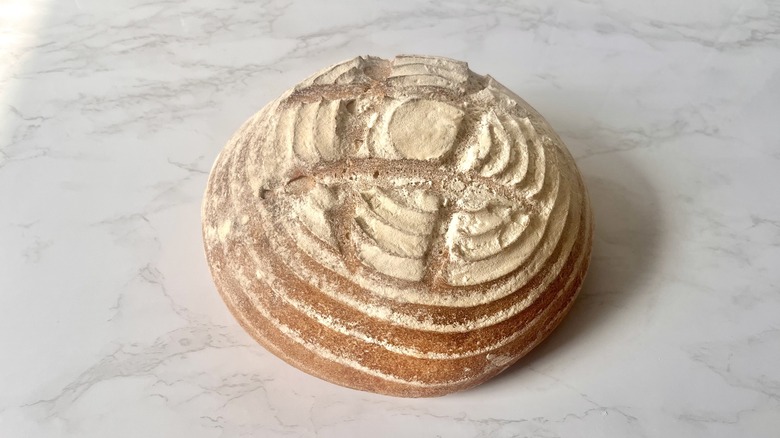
x,y
405,227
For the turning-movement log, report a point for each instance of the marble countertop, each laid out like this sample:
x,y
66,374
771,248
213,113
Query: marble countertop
x,y
111,114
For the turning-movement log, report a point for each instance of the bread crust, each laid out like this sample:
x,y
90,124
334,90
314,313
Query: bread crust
x,y
403,226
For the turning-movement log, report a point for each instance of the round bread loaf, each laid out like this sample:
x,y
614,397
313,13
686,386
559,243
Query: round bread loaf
x,y
403,226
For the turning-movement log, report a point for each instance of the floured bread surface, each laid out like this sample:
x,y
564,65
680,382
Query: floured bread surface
x,y
400,226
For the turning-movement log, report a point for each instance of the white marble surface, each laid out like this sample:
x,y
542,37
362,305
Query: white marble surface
x,y
112,112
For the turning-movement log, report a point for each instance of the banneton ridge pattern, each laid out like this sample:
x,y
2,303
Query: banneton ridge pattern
x,y
402,226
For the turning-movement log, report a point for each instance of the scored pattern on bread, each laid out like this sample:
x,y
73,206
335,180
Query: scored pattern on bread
x,y
400,226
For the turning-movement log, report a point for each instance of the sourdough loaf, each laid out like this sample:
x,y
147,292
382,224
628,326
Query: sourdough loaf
x,y
401,226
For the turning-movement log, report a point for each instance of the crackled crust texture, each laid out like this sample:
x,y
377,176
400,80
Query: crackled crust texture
x,y
401,226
